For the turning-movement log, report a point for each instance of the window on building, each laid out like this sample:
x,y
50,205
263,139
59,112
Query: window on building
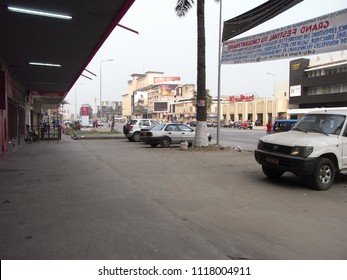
x,y
327,89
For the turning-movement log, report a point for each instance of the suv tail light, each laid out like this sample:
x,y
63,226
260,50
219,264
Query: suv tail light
x,y
131,127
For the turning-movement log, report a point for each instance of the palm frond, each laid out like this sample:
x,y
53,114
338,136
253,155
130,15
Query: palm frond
x,y
183,6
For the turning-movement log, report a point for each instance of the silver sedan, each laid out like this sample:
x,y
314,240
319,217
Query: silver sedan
x,y
167,134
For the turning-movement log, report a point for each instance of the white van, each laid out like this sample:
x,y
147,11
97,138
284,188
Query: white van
x,y
315,149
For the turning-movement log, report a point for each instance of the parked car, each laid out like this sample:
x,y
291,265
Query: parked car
x,y
245,125
283,125
315,149
237,124
192,123
258,123
167,134
228,124
133,127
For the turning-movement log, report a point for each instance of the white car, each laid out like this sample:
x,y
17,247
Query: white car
x,y
133,127
167,134
315,149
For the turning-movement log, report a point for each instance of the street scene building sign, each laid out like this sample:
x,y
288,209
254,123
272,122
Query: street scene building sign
x,y
324,34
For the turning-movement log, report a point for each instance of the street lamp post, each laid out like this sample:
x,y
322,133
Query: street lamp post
x,y
273,97
106,60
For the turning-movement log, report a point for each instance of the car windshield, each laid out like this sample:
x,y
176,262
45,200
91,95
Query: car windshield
x,y
321,123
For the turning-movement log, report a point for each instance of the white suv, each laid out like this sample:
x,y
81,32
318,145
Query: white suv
x,y
315,149
133,127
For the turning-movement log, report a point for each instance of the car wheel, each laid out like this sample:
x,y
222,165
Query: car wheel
x,y
324,175
272,172
136,137
165,142
154,145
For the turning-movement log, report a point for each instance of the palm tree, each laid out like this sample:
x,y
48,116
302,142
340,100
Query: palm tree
x,y
181,9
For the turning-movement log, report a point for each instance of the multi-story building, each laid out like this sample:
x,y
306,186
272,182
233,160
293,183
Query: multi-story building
x,y
148,94
318,82
110,109
154,96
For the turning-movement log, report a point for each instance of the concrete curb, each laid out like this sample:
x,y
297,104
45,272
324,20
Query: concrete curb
x,y
96,137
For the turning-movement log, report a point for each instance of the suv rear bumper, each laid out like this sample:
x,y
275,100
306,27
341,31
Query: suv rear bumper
x,y
297,165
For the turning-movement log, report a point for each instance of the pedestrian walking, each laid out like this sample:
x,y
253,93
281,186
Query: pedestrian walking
x,y
268,127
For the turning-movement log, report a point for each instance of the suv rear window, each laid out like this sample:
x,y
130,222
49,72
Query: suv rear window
x,y
144,122
131,122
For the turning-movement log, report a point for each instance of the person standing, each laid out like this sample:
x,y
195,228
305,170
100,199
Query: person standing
x,y
268,127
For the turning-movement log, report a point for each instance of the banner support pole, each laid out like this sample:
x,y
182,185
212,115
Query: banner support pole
x,y
219,73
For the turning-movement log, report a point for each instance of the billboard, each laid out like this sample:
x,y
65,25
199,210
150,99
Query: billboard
x,y
140,102
159,80
168,90
324,34
84,111
161,107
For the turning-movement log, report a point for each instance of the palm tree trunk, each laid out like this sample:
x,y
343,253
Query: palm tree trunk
x,y
201,104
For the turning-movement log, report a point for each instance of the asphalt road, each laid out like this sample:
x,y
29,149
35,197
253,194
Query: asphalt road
x,y
234,137
114,199
231,137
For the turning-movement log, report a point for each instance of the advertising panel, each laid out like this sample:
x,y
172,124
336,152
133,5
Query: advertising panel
x,y
324,34
158,80
295,91
85,111
168,90
140,105
161,106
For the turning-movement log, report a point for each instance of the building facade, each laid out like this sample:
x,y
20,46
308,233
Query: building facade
x,y
109,109
318,82
152,95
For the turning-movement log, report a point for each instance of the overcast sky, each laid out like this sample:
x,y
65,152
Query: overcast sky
x,y
166,43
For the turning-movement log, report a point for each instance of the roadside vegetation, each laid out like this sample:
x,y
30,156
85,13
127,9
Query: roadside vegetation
x,y
76,129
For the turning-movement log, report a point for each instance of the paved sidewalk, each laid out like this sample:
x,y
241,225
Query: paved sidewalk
x,y
115,199
69,200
